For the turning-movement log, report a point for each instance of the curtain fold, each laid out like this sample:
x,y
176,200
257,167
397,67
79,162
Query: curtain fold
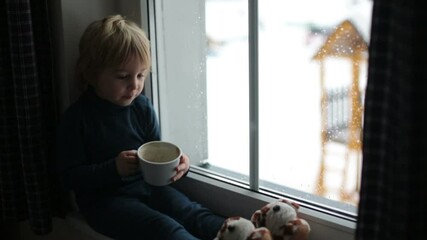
x,y
393,194
28,114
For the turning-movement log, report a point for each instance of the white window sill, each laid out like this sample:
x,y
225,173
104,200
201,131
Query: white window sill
x,y
232,200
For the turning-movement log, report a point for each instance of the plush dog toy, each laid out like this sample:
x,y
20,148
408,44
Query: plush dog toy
x,y
281,218
238,228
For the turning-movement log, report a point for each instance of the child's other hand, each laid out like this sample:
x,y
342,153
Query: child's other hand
x,y
127,163
182,168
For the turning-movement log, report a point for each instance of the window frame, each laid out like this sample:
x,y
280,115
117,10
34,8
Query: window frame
x,y
326,222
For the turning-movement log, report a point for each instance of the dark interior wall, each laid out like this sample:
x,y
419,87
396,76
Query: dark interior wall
x,y
69,19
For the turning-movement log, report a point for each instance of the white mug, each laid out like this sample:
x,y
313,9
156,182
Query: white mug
x,y
158,161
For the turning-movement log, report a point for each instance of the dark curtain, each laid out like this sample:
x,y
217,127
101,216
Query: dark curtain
x,y
27,115
393,195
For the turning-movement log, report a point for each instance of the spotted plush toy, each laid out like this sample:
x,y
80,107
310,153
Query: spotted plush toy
x,y
281,218
238,228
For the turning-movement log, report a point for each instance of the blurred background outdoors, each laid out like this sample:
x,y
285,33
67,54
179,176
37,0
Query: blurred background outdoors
x,y
311,55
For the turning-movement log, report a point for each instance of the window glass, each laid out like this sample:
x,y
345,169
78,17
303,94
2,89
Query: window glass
x,y
312,63
228,86
309,50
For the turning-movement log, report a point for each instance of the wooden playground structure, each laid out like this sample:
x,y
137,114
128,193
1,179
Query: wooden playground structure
x,y
342,111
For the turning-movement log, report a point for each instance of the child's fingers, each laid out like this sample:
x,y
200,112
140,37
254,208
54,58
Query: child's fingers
x,y
132,161
131,153
180,171
178,175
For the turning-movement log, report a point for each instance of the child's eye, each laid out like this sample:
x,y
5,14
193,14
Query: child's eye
x,y
121,77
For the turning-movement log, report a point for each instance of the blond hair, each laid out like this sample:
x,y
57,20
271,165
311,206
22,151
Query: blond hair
x,y
107,43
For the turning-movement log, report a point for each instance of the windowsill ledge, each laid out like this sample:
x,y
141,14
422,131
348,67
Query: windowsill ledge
x,y
232,200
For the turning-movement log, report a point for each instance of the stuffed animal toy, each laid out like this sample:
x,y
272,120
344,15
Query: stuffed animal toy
x,y
281,218
238,228
261,233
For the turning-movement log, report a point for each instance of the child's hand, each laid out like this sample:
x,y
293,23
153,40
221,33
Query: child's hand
x,y
127,163
182,168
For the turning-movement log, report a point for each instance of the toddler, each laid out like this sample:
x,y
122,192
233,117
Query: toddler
x,y
98,136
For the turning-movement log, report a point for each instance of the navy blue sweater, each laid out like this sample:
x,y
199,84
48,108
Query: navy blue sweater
x,y
91,133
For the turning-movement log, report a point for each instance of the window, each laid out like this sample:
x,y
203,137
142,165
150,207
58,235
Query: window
x,y
276,106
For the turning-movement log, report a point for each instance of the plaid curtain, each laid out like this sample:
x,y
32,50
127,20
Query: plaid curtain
x,y
27,114
393,195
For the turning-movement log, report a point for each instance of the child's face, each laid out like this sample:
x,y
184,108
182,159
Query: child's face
x,y
121,86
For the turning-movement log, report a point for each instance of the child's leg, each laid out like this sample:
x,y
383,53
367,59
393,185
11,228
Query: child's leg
x,y
198,220
129,218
